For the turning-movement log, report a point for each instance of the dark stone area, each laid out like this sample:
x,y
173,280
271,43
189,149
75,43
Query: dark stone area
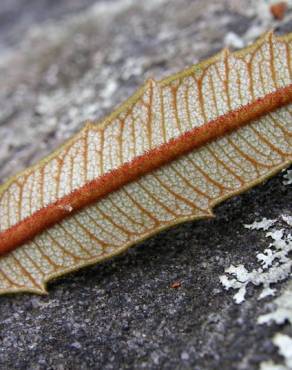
x,y
123,314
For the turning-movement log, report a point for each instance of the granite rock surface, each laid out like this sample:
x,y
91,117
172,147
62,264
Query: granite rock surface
x,y
63,62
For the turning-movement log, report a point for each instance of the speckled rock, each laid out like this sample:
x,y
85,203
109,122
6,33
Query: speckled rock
x,y
65,62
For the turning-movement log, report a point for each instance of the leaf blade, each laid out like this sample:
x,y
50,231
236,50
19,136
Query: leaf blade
x,y
185,188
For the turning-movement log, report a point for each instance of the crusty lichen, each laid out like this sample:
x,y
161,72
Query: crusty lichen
x,y
283,308
284,344
282,313
288,178
275,264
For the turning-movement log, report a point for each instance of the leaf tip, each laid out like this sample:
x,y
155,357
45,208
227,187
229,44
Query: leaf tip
x,y
225,52
88,125
150,82
268,36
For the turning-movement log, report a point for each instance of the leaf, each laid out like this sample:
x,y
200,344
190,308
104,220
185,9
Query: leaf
x,y
169,154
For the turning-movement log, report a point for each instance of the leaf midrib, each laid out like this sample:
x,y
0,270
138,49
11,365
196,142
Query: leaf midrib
x,y
100,187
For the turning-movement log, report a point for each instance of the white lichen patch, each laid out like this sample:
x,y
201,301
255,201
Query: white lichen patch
x,y
284,344
287,219
282,308
233,40
275,264
264,224
287,178
282,313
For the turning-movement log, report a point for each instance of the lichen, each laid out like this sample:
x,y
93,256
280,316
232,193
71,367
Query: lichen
x,y
288,178
264,224
275,264
281,313
282,308
284,344
287,219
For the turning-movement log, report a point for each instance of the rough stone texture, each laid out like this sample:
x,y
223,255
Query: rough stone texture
x,y
63,62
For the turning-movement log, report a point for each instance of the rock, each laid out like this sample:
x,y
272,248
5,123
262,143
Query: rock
x,y
65,62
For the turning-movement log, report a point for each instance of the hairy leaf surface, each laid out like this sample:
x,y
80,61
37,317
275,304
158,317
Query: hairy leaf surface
x,y
169,154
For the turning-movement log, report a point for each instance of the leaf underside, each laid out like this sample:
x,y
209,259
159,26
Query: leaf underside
x,y
186,188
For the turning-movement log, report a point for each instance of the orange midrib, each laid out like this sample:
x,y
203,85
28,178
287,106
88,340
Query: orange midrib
x,y
26,229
